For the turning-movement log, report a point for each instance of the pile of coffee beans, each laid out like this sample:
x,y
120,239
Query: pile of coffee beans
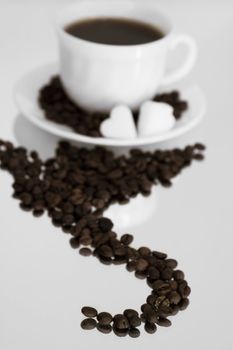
x,y
75,187
60,109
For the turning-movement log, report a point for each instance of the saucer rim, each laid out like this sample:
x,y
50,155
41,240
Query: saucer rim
x,y
67,133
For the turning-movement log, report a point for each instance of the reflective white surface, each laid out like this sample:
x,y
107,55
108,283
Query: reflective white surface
x,y
44,283
137,212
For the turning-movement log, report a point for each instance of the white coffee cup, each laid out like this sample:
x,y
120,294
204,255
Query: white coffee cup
x,y
97,76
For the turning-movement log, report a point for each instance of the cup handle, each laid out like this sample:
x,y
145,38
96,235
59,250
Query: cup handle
x,y
186,67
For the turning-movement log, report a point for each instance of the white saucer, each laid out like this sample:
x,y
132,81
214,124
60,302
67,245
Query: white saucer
x,y
26,97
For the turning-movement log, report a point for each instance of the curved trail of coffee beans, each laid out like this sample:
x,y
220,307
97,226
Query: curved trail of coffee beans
x,y
60,109
75,187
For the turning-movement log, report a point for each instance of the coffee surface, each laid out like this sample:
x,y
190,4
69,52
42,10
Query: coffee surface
x,y
114,31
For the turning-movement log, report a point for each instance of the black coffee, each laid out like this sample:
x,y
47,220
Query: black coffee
x,y
115,31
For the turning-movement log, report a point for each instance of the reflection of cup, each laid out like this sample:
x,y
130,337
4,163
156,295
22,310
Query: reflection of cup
x,y
97,77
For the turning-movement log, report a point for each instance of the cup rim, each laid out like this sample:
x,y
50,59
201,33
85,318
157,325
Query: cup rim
x,y
61,29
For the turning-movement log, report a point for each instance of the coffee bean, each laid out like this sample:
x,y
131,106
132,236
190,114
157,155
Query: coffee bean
x,y
143,307
39,205
86,232
132,253
150,328
183,304
57,223
140,275
115,174
114,243
134,321
156,263
88,324
171,263
154,273
68,219
120,251
164,322
134,333
38,213
160,285
81,224
101,239
104,318
131,266
151,299
141,265
67,228
149,313
89,311
106,329
105,224
105,251
167,273
175,310
26,198
121,322
120,332
25,207
77,196
56,215
159,255
164,311
174,298
119,261
85,240
105,261
53,199
142,318
199,146
164,290
127,239
178,275
144,251
85,252
74,242
173,285
186,292
130,313
68,208
198,156
181,288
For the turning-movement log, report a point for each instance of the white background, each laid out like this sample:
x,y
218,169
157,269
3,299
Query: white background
x,y
44,283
